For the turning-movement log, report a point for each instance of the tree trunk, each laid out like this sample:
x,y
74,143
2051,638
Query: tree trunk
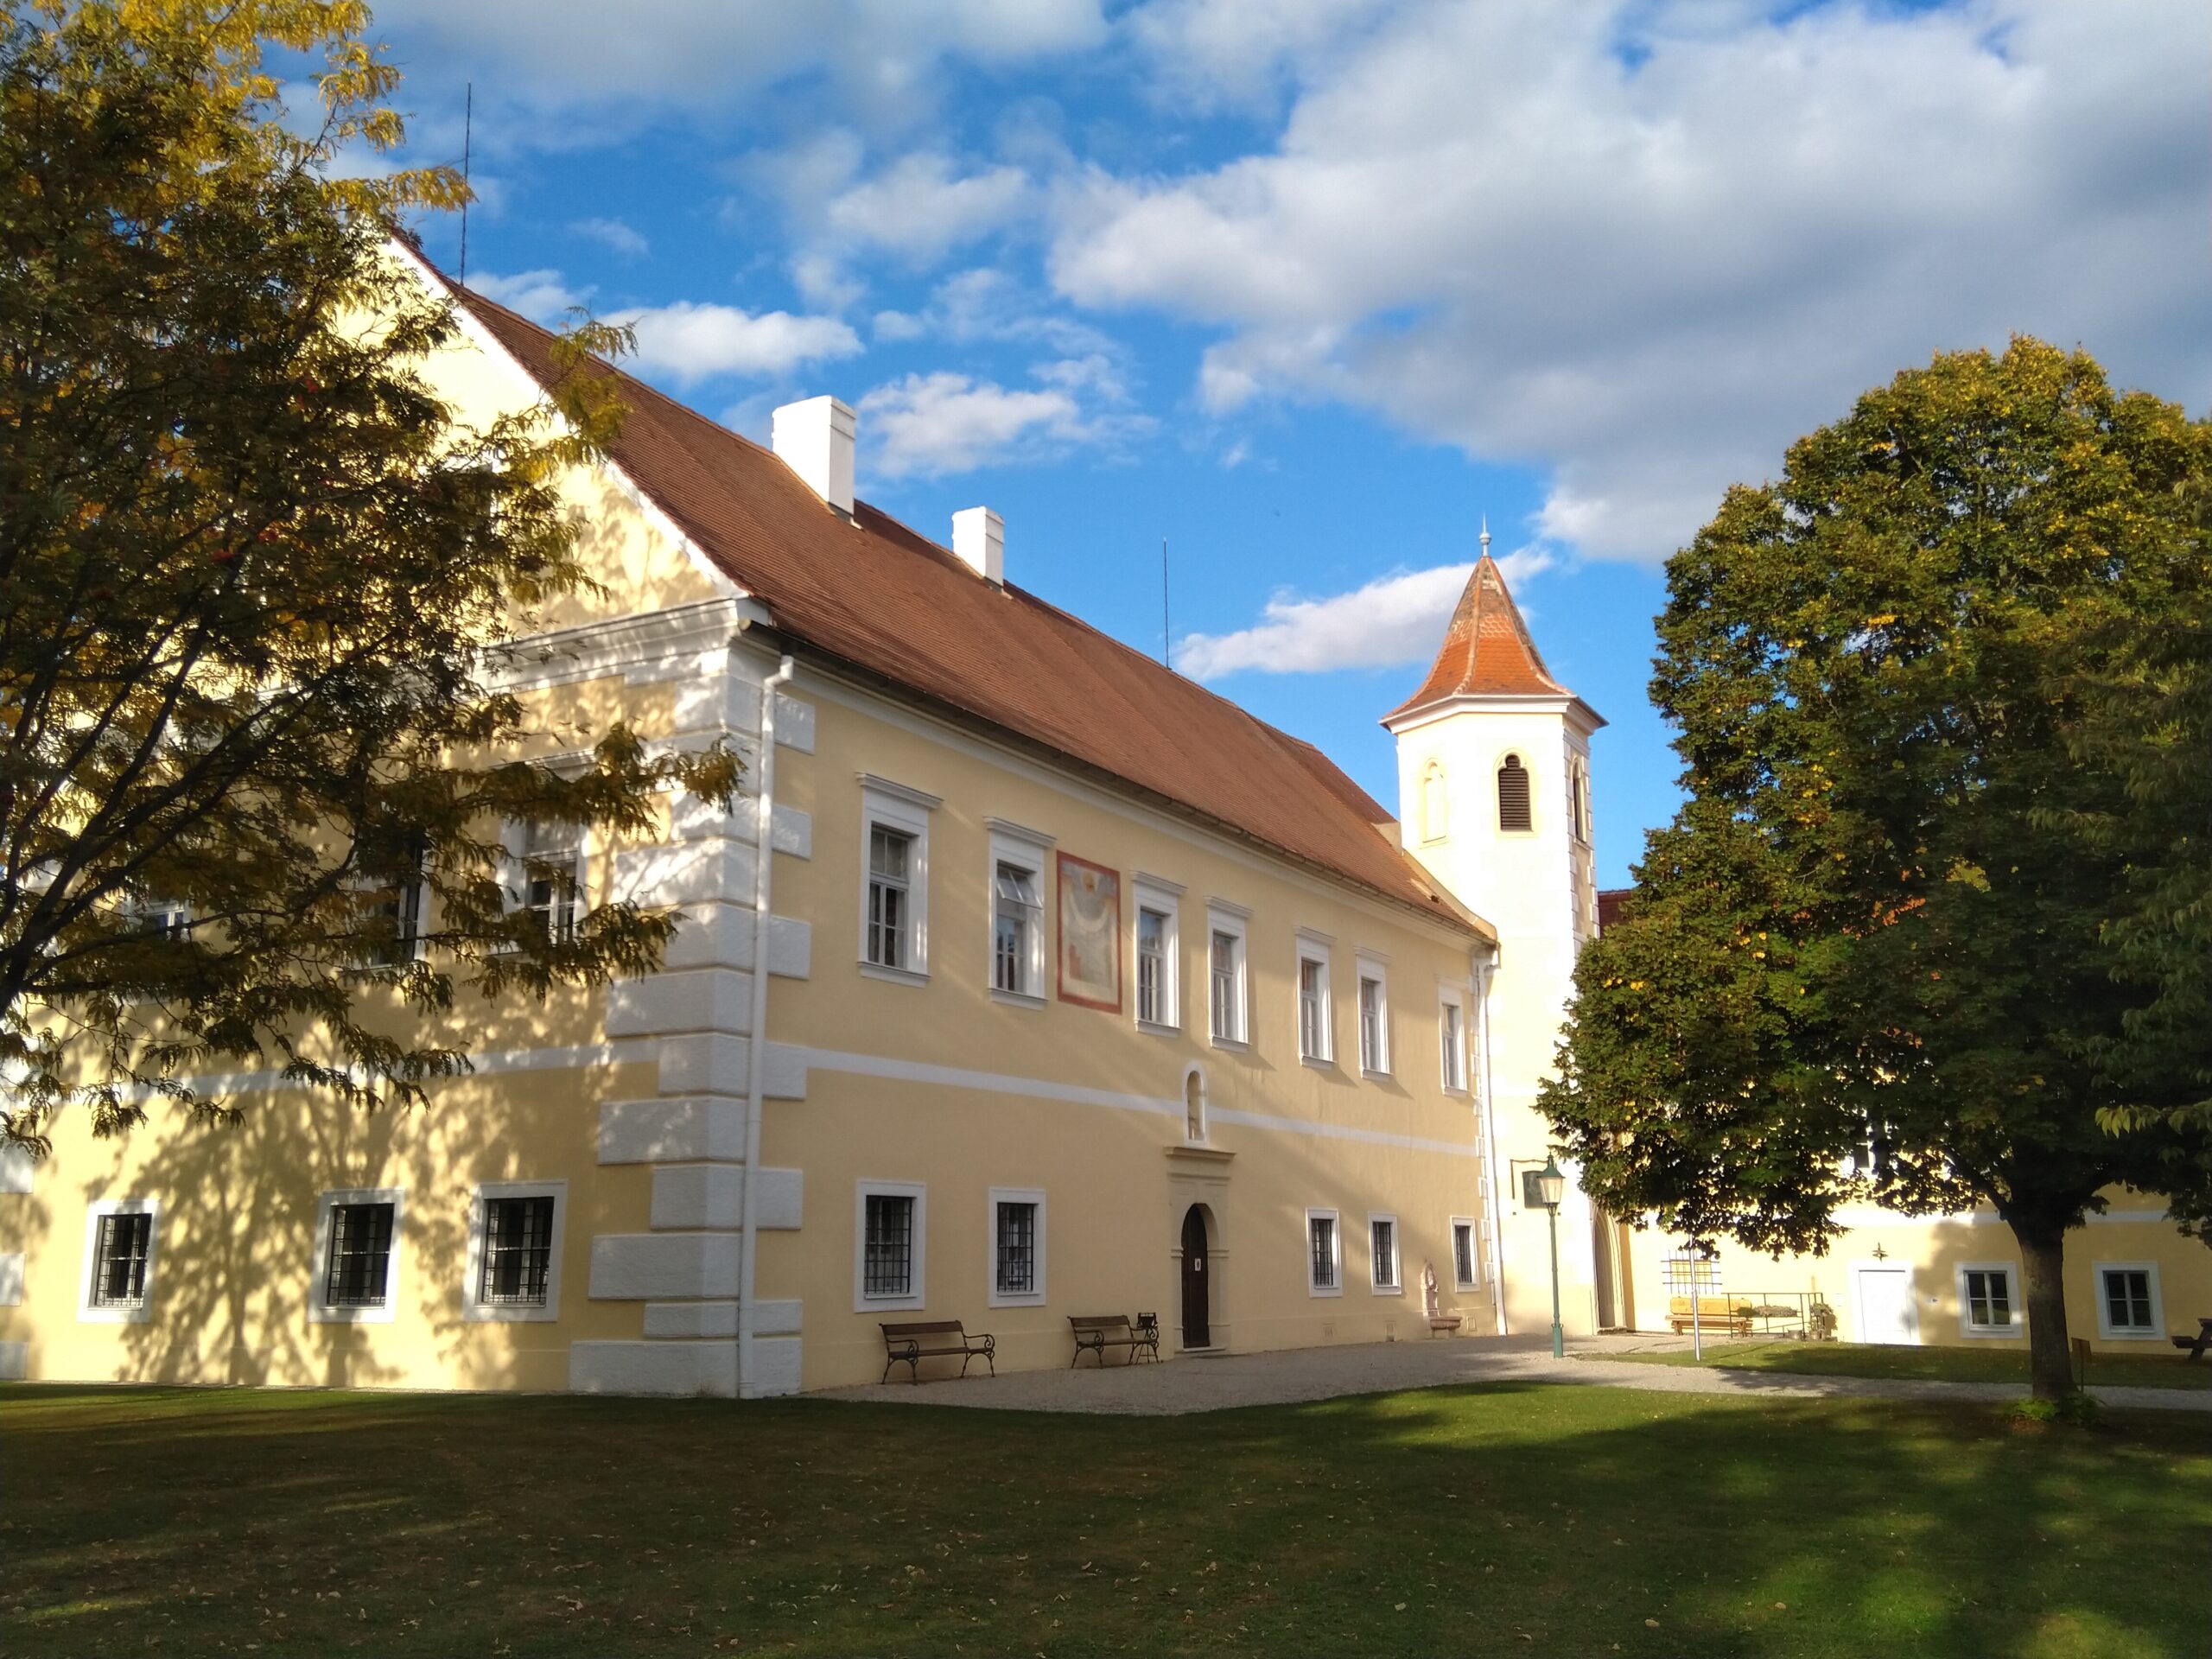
x,y
2050,1355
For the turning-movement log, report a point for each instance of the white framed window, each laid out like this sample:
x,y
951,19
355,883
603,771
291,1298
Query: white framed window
x,y
514,1251
1316,1019
1989,1301
895,934
1452,1037
356,1255
170,918
1466,1261
1017,910
890,1239
1015,1226
2129,1306
1157,954
1374,1017
118,1280
545,880
1382,1255
1228,991
1325,1255
398,915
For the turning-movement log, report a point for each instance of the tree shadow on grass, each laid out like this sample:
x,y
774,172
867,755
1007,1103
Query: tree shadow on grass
x,y
1498,1518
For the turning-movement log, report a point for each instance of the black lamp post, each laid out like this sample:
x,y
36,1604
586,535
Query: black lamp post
x,y
1551,1188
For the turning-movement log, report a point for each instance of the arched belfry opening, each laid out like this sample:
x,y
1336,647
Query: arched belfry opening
x,y
1512,812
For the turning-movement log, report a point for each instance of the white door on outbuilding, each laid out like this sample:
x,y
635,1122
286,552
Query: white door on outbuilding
x,y
1884,1299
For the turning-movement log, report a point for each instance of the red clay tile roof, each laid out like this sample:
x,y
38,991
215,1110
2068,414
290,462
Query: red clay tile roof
x,y
1487,650
1613,904
877,595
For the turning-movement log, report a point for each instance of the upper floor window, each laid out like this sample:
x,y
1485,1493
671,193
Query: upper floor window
x,y
1513,812
1452,1036
549,877
398,910
1374,1018
895,907
1160,996
1225,977
1017,944
1313,1015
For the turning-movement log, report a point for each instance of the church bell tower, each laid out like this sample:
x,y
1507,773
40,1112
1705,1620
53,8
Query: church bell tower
x,y
1494,800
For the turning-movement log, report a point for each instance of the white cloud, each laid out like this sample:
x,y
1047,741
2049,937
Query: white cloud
x,y
922,206
1645,246
690,341
1391,621
613,234
703,58
947,423
541,295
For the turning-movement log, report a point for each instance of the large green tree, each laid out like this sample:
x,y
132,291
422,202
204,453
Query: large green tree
x,y
253,573
1900,944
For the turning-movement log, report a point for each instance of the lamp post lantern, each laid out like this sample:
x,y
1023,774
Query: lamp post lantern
x,y
1551,1188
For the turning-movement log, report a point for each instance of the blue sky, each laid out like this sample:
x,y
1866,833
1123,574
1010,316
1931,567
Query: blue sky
x,y
1310,287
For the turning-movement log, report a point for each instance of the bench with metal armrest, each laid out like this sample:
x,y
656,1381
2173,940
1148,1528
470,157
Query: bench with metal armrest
x,y
1096,1332
909,1345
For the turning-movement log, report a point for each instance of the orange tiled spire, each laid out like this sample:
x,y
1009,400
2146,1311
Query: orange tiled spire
x,y
1487,650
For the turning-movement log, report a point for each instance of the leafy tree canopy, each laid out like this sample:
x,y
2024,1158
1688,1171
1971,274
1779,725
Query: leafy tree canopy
x,y
253,574
1902,940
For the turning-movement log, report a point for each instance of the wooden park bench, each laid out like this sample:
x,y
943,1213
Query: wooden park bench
x,y
909,1345
1096,1332
1714,1314
2196,1345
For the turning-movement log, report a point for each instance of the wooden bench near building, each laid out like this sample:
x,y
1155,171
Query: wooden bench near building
x,y
1715,1313
909,1345
1096,1332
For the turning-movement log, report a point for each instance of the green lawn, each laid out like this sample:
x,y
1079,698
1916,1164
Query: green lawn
x,y
1538,1520
2167,1371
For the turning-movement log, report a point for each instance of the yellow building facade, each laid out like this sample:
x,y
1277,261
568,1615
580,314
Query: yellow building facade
x,y
1025,981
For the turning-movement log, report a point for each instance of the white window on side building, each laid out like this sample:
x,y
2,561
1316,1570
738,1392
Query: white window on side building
x,y
2128,1301
546,876
118,1285
357,1256
514,1251
1989,1303
894,937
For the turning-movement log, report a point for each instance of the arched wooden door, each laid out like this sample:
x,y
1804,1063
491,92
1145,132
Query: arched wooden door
x,y
1198,1331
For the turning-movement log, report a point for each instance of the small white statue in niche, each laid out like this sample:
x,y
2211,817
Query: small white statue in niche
x,y
1429,1305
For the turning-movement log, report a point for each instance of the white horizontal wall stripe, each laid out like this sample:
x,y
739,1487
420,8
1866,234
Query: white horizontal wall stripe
x,y
954,1077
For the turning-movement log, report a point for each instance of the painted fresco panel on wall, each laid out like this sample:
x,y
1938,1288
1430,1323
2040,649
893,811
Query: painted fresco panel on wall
x,y
1090,934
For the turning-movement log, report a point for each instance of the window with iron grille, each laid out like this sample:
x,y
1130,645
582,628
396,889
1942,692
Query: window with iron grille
x,y
1017,1248
1152,966
1313,1008
890,899
1989,1298
360,1255
1463,1255
1373,1045
1455,1047
1513,795
888,1261
121,1245
1383,1242
1321,1233
518,1252
1017,958
2128,1307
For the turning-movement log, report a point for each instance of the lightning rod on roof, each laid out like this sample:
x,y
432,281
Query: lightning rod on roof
x,y
467,132
1166,636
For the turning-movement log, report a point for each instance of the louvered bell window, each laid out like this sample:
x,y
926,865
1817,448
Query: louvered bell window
x,y
1513,795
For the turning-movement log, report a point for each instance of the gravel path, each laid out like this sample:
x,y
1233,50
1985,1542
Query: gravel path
x,y
1221,1383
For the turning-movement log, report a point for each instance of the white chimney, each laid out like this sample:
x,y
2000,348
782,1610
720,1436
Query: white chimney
x,y
979,538
814,439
